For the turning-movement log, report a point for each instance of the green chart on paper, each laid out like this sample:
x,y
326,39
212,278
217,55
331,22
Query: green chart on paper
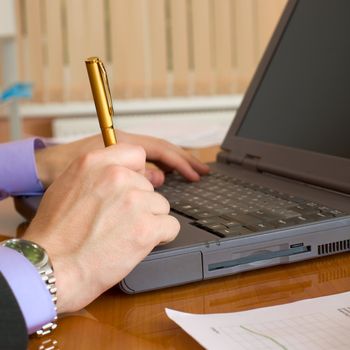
x,y
265,336
309,331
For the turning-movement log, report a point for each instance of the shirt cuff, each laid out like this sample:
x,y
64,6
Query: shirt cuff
x,y
18,172
30,290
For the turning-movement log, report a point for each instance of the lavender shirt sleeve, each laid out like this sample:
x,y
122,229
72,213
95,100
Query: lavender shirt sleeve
x,y
29,289
18,173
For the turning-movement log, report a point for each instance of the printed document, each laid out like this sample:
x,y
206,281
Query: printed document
x,y
321,323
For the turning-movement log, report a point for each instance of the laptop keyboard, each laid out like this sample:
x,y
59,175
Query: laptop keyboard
x,y
227,206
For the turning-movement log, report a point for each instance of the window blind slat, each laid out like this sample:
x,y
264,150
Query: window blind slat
x,y
35,60
179,49
54,50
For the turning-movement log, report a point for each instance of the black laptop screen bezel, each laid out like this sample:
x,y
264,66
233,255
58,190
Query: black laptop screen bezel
x,y
316,168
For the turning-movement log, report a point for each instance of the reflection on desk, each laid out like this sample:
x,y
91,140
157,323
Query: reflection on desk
x,y
117,320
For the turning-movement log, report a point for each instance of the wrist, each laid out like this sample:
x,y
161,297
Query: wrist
x,y
69,282
71,278
44,169
74,287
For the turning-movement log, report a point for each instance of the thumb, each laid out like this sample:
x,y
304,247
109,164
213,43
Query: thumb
x,y
127,155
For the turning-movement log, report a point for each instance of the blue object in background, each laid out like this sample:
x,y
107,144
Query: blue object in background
x,y
18,90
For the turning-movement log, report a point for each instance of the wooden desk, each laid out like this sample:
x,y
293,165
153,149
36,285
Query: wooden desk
x,y
119,321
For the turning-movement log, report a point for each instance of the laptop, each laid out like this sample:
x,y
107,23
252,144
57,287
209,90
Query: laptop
x,y
279,190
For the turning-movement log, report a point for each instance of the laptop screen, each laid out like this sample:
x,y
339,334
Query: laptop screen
x,y
303,100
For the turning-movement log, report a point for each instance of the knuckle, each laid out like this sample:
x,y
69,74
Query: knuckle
x,y
86,160
141,153
112,181
165,203
175,224
132,198
171,228
116,174
144,236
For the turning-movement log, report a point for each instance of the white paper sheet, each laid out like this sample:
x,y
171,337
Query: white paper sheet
x,y
321,323
187,130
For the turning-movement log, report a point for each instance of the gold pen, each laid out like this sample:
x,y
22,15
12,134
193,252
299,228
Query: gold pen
x,y
102,98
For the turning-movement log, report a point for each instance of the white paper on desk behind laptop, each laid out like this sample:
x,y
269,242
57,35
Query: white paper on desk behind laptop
x,y
189,130
193,130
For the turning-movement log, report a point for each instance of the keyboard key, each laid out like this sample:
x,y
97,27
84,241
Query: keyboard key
x,y
286,214
304,209
232,223
233,231
292,221
245,219
214,219
337,212
318,216
266,216
261,227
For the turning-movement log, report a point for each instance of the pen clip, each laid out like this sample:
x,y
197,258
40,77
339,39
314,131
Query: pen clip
x,y
106,87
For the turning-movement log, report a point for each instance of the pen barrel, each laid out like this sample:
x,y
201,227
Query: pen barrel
x,y
103,110
99,94
108,135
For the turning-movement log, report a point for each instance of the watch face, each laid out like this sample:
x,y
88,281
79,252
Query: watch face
x,y
35,254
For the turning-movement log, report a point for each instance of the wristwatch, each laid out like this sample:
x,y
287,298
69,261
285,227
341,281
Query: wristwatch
x,y
40,259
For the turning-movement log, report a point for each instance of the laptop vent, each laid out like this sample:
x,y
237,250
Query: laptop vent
x,y
334,247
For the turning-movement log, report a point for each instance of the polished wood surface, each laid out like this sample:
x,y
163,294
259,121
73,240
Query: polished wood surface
x,y
119,321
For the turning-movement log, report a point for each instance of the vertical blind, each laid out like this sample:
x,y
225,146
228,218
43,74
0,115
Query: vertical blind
x,y
150,47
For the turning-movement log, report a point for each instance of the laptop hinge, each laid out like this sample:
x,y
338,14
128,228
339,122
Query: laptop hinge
x,y
226,157
251,162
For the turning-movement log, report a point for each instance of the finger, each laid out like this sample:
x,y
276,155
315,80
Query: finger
x,y
175,161
130,156
155,176
197,165
169,156
127,155
119,178
154,203
168,228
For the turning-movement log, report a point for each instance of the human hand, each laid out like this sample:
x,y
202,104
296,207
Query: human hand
x,y
97,221
167,157
51,161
